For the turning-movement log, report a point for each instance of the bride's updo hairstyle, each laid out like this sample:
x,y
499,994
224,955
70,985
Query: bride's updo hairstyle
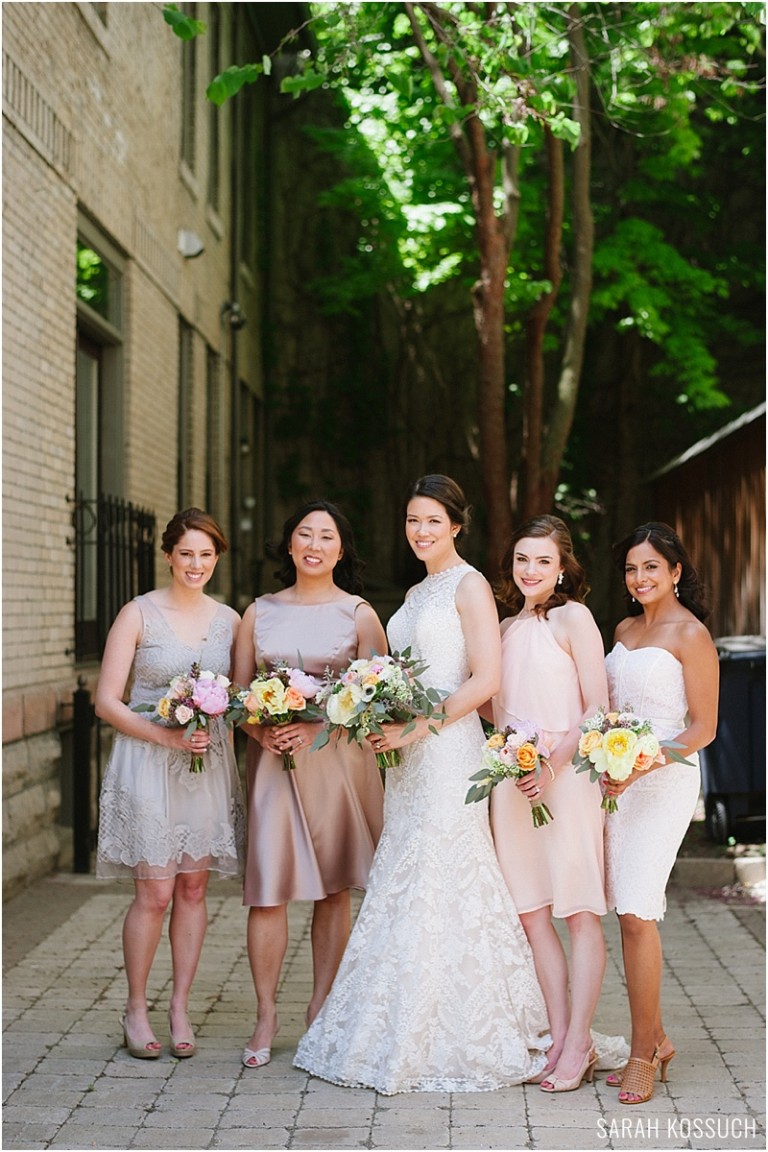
x,y
668,544
192,520
446,492
574,585
348,572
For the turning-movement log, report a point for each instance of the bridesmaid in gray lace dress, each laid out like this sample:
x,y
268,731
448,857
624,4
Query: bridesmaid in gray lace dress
x,y
160,824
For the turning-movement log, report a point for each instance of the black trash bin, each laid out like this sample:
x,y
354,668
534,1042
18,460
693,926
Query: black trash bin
x,y
733,765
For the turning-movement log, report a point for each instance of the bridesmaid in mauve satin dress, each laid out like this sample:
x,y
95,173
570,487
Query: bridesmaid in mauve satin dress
x,y
312,831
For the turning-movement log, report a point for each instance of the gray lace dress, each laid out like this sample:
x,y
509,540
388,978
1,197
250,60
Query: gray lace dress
x,y
156,818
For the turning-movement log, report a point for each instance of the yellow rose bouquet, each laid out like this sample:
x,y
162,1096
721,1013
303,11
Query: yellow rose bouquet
x,y
369,693
278,696
510,754
615,744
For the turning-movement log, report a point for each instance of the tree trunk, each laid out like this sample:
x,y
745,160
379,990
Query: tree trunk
x,y
536,326
559,428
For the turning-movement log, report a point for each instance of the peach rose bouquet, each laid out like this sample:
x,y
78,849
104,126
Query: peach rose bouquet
x,y
192,700
279,695
615,744
510,754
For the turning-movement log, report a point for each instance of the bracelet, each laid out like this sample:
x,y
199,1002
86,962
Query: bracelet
x,y
551,770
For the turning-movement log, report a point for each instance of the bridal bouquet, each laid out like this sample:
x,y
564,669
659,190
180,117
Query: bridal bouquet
x,y
510,754
369,693
191,700
618,743
278,696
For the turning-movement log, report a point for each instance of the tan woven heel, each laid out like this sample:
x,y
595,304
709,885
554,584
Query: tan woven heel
x,y
638,1079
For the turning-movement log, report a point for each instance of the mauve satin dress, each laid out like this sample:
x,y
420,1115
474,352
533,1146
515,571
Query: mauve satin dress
x,y
311,831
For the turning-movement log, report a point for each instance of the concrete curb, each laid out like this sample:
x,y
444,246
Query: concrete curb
x,y
705,872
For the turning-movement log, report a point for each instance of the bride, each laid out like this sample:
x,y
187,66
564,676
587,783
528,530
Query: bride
x,y
437,990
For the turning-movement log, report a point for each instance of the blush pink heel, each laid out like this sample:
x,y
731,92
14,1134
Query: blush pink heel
x,y
586,1072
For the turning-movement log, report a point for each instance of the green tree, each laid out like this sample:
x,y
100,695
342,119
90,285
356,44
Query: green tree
x,y
482,118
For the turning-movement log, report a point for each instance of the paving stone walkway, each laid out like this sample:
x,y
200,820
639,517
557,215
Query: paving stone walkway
x,y
69,1084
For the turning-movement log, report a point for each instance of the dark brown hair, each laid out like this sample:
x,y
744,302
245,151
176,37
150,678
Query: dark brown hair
x,y
348,572
664,540
446,492
574,585
192,519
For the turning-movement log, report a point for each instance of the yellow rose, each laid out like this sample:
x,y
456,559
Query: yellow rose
x,y
164,708
588,742
496,740
342,706
527,757
269,695
616,756
611,717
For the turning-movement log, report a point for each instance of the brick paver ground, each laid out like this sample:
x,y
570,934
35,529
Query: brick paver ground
x,y
69,1084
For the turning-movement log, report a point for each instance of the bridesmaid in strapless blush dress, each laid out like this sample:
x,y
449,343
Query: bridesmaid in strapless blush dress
x,y
664,667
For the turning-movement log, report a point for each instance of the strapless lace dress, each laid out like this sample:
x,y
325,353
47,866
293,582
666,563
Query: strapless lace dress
x,y
642,839
156,818
436,991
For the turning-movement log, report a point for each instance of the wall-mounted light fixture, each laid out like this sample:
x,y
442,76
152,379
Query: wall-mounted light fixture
x,y
232,310
189,244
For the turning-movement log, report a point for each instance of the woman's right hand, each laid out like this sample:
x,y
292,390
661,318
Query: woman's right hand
x,y
196,744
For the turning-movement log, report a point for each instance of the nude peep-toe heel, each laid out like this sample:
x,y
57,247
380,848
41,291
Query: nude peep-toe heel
x,y
258,1057
181,1049
149,1051
586,1072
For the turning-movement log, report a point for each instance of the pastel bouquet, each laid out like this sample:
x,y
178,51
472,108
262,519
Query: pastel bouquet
x,y
615,744
510,754
370,693
279,695
193,699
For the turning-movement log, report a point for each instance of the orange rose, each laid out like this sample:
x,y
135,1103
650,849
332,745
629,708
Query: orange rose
x,y
294,701
527,757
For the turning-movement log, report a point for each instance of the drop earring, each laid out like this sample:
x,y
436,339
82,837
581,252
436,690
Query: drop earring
x,y
677,591
560,579
633,600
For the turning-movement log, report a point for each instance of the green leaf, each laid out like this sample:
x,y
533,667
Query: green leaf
x,y
229,82
185,27
307,81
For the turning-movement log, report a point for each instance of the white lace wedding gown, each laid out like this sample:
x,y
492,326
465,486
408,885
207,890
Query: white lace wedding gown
x,y
436,990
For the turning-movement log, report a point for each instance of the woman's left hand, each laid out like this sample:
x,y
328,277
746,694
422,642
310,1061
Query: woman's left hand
x,y
290,738
616,787
531,787
391,735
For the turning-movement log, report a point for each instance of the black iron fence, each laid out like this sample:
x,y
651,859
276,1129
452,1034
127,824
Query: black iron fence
x,y
115,560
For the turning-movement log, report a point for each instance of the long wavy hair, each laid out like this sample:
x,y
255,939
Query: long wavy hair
x,y
664,540
574,585
348,572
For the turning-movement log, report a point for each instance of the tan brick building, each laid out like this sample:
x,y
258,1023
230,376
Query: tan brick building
x,y
133,218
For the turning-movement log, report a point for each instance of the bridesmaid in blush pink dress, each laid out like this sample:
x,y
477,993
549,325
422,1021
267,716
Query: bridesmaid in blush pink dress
x,y
312,831
553,674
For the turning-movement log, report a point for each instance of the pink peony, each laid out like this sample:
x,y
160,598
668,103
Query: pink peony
x,y
303,683
210,697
